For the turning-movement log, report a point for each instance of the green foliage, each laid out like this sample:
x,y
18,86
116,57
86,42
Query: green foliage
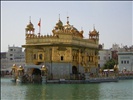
x,y
110,64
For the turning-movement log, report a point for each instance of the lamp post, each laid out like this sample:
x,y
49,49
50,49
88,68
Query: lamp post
x,y
44,74
20,73
14,69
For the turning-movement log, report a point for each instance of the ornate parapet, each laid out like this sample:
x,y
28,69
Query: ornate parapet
x,y
51,40
34,39
34,36
71,32
83,43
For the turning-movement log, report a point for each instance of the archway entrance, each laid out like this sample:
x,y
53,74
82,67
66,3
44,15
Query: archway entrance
x,y
36,71
74,70
36,75
74,73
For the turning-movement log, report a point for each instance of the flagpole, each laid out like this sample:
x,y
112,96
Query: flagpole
x,y
39,29
39,24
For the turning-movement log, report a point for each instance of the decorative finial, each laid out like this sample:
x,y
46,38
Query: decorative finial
x,y
67,19
94,26
30,18
59,16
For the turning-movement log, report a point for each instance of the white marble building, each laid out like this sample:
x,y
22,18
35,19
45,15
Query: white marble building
x,y
14,55
125,61
104,56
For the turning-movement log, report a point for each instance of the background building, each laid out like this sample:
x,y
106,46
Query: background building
x,y
123,55
125,60
103,57
3,59
14,55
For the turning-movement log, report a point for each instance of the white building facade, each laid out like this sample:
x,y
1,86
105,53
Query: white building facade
x,y
115,47
125,61
15,55
3,59
103,57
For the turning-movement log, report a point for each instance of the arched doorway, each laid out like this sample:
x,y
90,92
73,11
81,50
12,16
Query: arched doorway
x,y
74,70
36,75
36,71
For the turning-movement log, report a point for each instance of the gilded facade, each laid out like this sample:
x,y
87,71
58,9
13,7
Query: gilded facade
x,y
65,53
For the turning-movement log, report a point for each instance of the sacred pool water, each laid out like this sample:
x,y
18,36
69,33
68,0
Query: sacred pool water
x,y
122,90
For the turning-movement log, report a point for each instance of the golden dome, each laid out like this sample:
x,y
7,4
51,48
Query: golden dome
x,y
70,27
14,66
94,32
44,68
30,25
67,28
73,30
59,24
20,68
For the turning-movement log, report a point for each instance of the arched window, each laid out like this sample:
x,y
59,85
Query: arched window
x,y
74,70
73,58
34,56
62,58
40,56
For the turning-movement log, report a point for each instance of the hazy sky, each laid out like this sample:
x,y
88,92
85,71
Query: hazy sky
x,y
113,19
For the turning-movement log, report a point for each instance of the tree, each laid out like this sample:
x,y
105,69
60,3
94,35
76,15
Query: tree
x,y
110,64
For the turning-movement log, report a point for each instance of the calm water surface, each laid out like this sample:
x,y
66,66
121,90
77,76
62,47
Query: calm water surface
x,y
122,90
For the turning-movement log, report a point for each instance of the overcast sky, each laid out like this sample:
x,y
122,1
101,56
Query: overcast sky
x,y
113,19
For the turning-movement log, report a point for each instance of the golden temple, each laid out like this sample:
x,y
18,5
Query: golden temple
x,y
65,53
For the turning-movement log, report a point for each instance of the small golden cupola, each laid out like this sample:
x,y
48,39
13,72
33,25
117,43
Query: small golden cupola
x,y
30,28
94,34
67,26
81,33
59,24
